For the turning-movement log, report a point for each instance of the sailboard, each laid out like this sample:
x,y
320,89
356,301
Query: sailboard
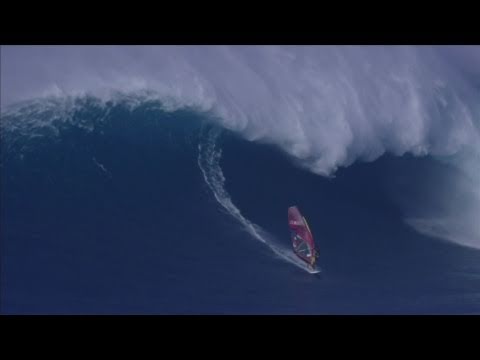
x,y
302,238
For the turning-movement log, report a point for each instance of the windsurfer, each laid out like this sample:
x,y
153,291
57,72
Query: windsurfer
x,y
302,239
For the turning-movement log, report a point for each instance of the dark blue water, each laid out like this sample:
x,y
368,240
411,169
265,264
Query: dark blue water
x,y
106,211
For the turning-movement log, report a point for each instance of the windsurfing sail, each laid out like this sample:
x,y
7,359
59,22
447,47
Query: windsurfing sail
x,y
302,238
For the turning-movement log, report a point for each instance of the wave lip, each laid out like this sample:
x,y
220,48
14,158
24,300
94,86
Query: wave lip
x,y
326,106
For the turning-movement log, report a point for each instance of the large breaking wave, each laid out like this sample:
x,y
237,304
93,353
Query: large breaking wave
x,y
325,106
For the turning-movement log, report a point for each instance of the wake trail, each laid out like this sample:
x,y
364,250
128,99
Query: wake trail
x,y
209,163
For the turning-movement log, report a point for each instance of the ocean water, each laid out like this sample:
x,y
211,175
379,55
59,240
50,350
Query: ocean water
x,y
127,205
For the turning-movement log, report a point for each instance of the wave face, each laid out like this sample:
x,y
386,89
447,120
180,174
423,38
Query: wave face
x,y
134,179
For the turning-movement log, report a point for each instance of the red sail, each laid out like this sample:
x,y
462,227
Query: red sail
x,y
302,238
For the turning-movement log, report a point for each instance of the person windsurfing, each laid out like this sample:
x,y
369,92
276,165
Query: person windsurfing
x,y
302,238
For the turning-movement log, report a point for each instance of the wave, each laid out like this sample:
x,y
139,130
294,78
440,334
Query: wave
x,y
325,106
